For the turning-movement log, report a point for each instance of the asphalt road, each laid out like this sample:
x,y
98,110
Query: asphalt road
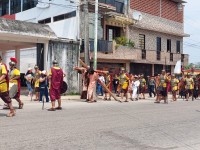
x,y
140,125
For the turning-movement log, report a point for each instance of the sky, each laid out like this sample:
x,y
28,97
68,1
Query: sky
x,y
191,45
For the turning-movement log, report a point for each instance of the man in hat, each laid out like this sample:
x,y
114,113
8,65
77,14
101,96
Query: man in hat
x,y
123,82
4,88
142,87
162,88
43,86
136,84
152,84
36,82
56,80
14,77
189,86
29,78
174,86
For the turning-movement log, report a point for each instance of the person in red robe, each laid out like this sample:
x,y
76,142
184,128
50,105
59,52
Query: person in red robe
x,y
56,80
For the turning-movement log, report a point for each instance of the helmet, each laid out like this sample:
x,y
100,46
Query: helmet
x,y
55,62
36,67
12,63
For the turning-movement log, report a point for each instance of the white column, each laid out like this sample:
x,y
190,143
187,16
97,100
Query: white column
x,y
46,47
17,56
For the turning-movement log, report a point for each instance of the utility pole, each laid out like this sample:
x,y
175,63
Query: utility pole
x,y
86,33
95,34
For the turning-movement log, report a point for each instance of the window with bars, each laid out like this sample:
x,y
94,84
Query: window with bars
x,y
159,44
143,54
158,55
141,41
15,6
45,21
178,46
64,16
171,57
169,45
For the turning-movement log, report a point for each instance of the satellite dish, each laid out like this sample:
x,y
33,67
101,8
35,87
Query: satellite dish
x,y
137,15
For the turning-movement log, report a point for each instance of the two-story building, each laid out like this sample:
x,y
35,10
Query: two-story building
x,y
155,26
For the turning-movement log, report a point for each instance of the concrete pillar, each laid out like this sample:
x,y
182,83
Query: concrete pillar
x,y
172,68
17,56
127,66
152,69
46,47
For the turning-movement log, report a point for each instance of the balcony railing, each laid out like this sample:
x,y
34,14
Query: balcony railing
x,y
102,46
119,5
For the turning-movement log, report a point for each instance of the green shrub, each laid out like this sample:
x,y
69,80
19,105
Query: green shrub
x,y
124,42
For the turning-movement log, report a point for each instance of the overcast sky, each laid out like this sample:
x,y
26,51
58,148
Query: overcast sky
x,y
192,27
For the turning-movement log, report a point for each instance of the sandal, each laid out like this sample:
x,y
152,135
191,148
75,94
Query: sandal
x,y
21,106
11,113
51,109
58,108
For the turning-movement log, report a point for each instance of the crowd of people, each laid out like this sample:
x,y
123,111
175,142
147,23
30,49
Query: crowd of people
x,y
94,82
134,87
41,82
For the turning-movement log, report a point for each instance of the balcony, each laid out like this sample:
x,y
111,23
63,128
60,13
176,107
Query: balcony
x,y
159,57
103,46
107,6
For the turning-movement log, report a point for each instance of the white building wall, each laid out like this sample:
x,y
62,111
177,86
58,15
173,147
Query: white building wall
x,y
68,28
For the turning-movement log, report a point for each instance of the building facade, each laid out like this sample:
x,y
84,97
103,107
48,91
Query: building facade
x,y
157,35
60,18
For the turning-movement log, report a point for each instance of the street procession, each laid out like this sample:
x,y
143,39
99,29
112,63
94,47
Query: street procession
x,y
122,87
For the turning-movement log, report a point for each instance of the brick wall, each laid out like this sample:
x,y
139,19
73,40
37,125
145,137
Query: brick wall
x,y
168,10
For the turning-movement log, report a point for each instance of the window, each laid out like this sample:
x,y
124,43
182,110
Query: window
x,y
143,54
178,46
158,43
158,55
15,6
28,4
171,56
64,16
169,45
4,7
142,41
44,21
182,57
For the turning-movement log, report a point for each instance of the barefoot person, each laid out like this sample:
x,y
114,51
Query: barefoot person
x,y
123,82
4,86
37,82
174,86
108,84
142,87
56,80
14,77
93,77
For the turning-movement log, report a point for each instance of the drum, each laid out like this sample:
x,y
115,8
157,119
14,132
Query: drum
x,y
13,88
64,87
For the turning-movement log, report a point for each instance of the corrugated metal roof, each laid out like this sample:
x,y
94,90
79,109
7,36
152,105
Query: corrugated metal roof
x,y
26,28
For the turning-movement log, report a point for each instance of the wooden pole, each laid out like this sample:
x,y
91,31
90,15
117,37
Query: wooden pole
x,y
101,83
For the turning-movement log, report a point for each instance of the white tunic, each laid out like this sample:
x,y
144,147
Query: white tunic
x,y
136,85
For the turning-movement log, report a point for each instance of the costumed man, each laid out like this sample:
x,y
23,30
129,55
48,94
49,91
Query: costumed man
x,y
196,87
189,86
123,82
85,81
4,88
174,86
14,77
142,87
130,86
37,82
56,81
162,88
93,77
108,84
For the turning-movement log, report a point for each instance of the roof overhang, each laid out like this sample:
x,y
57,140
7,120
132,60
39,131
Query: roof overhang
x,y
179,1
